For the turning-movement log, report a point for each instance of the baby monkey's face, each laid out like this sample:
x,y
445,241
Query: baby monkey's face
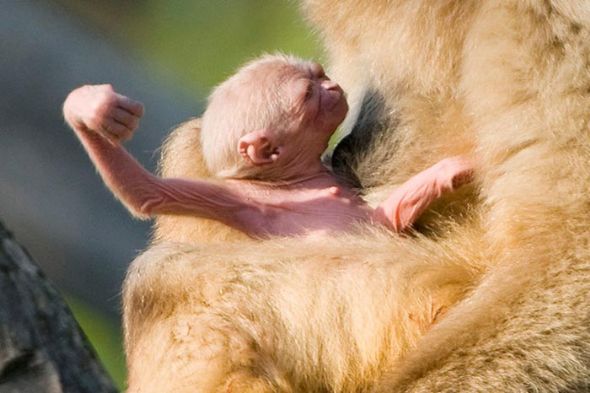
x,y
312,107
318,103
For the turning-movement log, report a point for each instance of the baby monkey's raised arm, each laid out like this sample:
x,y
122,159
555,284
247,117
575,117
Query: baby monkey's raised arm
x,y
102,119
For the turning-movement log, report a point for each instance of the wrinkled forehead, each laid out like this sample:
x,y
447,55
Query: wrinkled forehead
x,y
281,71
260,92
273,73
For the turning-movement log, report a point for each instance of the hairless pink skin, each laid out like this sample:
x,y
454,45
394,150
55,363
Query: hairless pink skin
x,y
315,203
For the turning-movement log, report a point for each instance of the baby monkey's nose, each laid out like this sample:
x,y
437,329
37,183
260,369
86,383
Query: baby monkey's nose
x,y
330,85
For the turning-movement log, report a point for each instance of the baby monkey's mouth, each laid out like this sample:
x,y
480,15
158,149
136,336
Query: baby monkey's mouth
x,y
333,106
335,95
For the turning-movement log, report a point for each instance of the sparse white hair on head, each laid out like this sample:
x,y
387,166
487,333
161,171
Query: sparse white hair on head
x,y
250,100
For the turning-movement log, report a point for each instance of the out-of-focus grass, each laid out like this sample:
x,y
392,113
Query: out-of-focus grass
x,y
105,336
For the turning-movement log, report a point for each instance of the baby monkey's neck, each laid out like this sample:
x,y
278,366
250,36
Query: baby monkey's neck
x,y
319,179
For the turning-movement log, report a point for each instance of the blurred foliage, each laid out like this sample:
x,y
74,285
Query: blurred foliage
x,y
105,336
199,43
206,40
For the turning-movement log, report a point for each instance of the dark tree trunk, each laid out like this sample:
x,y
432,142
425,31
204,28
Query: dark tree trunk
x,y
42,348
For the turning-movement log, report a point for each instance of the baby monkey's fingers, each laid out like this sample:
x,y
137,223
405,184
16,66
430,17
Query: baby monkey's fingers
x,y
120,115
98,108
462,170
453,172
126,118
114,131
133,107
465,176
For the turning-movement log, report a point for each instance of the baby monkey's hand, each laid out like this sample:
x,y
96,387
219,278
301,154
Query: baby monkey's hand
x,y
100,109
412,198
452,173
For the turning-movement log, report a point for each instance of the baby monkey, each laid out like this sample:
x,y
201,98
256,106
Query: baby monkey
x,y
263,134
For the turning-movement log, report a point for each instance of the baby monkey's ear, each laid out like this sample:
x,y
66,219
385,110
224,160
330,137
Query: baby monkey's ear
x,y
258,147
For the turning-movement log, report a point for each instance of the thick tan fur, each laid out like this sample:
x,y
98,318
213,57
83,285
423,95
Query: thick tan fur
x,y
282,314
506,286
208,310
512,80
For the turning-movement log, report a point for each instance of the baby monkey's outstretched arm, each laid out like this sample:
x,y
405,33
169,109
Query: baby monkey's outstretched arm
x,y
102,119
407,202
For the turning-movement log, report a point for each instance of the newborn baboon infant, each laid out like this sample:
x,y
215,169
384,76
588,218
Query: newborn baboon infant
x,y
263,133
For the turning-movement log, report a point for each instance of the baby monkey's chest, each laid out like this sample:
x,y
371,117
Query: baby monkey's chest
x,y
322,211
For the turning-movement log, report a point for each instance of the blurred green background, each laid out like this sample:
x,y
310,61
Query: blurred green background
x,y
198,44
202,41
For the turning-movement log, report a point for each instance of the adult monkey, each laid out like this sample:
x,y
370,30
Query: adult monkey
x,y
508,80
513,78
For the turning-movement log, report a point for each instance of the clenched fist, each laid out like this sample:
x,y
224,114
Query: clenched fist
x,y
100,109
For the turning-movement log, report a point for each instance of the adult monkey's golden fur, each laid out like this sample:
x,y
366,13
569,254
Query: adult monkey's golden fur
x,y
506,80
513,78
